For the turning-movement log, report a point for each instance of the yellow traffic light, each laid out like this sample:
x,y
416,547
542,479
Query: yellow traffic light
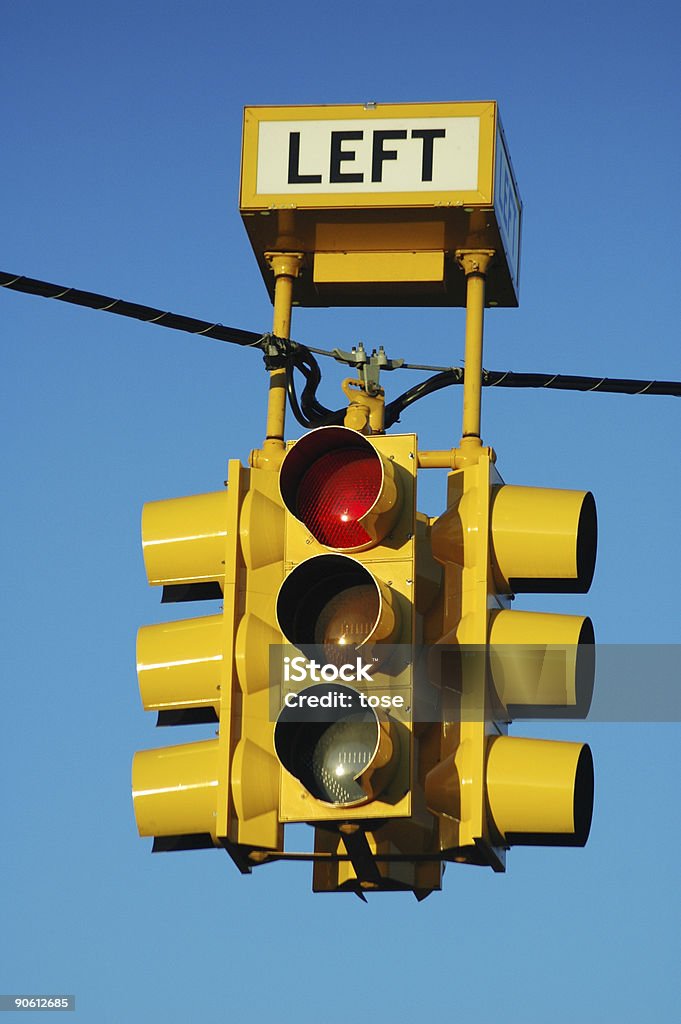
x,y
185,544
221,791
365,664
347,608
491,791
346,603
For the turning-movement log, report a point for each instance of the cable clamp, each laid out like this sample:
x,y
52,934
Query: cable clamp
x,y
276,351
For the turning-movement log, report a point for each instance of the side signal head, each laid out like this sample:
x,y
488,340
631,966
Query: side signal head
x,y
338,486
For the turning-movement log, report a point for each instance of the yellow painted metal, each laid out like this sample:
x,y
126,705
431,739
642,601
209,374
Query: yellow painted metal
x,y
462,536
388,236
399,839
540,665
261,547
542,661
438,458
285,267
543,539
255,785
179,664
221,786
540,791
475,264
183,539
254,777
174,789
369,267
226,822
365,412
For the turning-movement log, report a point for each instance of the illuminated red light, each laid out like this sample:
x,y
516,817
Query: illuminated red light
x,y
335,492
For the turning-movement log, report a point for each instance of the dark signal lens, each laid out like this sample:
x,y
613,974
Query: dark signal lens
x,y
346,621
329,605
335,492
340,756
343,754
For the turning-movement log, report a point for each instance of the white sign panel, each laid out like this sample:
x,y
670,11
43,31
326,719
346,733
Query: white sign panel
x,y
405,154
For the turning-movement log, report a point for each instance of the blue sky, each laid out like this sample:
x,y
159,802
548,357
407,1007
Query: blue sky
x,y
119,174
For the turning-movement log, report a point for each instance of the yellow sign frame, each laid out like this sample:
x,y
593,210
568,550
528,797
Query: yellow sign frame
x,y
381,247
250,199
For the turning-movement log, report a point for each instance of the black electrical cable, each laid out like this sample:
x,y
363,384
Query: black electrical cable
x,y
568,382
147,314
445,379
508,379
308,410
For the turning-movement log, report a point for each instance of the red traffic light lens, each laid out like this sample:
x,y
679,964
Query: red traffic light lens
x,y
335,492
341,488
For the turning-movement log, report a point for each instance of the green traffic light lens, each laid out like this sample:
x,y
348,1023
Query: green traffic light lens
x,y
341,751
340,755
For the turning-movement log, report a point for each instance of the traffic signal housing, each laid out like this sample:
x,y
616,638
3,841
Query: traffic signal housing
x,y
349,604
365,664
346,603
488,790
222,791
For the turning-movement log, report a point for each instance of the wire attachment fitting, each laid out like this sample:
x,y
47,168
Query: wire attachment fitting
x,y
276,351
368,366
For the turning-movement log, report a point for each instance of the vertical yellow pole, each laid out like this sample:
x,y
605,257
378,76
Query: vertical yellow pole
x,y
474,264
285,267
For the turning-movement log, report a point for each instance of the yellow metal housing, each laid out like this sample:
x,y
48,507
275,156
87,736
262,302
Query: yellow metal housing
x,y
179,664
174,789
224,790
540,792
542,664
488,791
246,720
543,541
390,564
183,539
331,268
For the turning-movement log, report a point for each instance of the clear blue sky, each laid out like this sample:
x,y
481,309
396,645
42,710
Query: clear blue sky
x,y
119,174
